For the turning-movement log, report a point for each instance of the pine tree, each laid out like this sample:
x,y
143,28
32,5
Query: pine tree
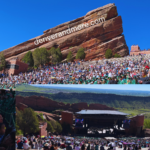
x,y
40,56
70,56
2,62
80,54
108,54
28,59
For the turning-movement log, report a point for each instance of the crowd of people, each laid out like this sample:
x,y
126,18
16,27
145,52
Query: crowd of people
x,y
85,143
126,70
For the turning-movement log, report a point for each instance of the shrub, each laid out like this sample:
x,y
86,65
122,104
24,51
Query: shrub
x,y
108,54
50,127
27,121
56,55
70,56
28,59
80,54
2,61
56,126
40,56
117,55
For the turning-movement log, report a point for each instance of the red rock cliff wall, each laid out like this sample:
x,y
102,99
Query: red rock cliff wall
x,y
42,103
95,39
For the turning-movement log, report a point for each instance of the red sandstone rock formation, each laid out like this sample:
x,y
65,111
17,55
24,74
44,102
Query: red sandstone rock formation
x,y
79,106
21,106
95,39
100,106
50,117
45,104
41,103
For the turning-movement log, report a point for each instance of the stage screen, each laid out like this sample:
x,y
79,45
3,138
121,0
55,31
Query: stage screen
x,y
126,124
78,122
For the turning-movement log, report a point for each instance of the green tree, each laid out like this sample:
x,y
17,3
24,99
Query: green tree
x,y
58,50
58,127
28,59
56,55
53,123
18,131
52,51
80,54
18,122
147,123
2,61
108,54
117,55
29,122
70,56
50,127
40,56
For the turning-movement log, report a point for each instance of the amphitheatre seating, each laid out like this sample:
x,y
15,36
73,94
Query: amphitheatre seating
x,y
132,58
46,72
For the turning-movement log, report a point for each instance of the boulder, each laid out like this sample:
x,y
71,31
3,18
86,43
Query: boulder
x,y
95,39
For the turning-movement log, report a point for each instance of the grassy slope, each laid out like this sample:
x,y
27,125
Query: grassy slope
x,y
134,112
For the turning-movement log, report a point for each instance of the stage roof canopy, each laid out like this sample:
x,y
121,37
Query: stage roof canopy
x,y
101,112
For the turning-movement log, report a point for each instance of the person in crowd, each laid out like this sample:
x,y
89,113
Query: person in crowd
x,y
26,146
52,146
68,146
36,145
20,144
88,147
102,147
92,146
31,143
96,146
77,147
46,146
40,144
83,147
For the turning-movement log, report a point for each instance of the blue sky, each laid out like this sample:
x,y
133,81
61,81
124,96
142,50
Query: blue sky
x,y
112,87
21,20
